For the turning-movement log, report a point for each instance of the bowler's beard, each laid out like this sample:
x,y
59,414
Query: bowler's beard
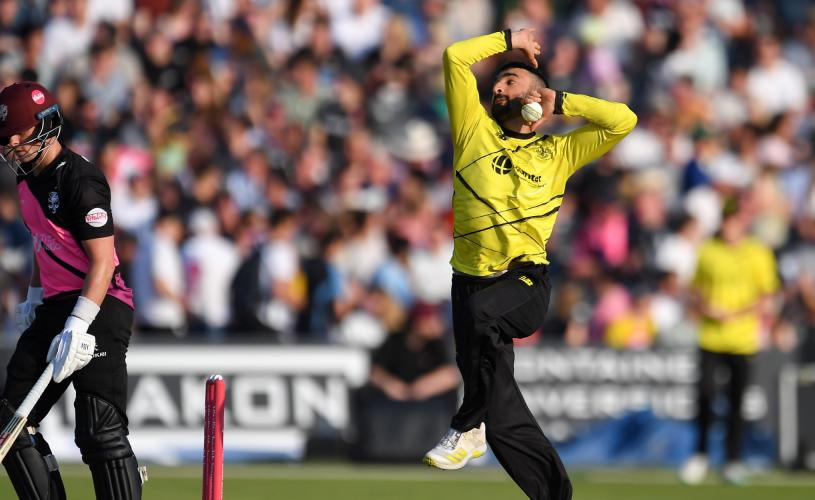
x,y
504,111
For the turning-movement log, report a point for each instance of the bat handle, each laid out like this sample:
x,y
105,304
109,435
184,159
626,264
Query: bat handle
x,y
36,391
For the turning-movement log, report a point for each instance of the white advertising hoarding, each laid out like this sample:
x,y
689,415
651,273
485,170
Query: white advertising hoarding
x,y
275,397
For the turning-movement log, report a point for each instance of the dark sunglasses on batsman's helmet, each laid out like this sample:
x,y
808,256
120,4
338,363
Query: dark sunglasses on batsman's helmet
x,y
23,106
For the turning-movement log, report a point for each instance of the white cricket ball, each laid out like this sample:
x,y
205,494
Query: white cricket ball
x,y
531,112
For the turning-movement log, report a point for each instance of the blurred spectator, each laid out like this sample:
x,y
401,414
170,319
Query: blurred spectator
x,y
118,11
67,36
135,205
366,247
280,280
797,325
288,26
415,365
158,278
479,15
568,318
412,388
430,273
210,261
648,224
609,24
15,259
358,25
775,85
536,14
246,184
303,93
603,236
393,276
634,329
676,254
700,55
330,295
667,311
612,302
15,251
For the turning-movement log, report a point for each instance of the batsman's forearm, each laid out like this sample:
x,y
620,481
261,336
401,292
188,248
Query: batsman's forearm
x,y
97,281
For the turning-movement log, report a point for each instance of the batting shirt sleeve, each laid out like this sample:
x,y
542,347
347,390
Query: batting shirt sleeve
x,y
88,215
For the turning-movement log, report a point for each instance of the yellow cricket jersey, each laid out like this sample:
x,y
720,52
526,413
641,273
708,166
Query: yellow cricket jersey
x,y
733,278
509,186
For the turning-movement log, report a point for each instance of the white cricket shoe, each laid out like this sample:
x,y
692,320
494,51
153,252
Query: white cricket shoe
x,y
456,448
694,470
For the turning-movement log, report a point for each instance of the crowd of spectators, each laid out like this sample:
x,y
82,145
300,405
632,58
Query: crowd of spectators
x,y
282,168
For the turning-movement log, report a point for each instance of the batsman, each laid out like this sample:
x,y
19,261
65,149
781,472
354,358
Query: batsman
x,y
509,184
78,313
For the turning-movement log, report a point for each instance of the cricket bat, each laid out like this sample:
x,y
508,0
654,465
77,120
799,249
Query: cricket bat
x,y
17,422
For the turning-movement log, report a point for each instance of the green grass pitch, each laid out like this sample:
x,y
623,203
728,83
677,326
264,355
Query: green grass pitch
x,y
349,482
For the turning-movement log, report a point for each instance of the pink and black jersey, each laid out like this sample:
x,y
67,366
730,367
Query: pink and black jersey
x,y
67,203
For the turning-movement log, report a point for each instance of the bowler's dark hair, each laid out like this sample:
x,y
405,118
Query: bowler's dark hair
x,y
537,72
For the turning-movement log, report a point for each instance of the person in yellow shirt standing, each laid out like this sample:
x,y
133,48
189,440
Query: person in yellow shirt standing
x,y
733,285
509,183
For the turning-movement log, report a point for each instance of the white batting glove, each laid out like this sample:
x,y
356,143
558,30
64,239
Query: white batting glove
x,y
25,313
72,349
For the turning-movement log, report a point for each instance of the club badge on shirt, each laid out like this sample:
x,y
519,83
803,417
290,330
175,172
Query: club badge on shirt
x,y
96,217
53,201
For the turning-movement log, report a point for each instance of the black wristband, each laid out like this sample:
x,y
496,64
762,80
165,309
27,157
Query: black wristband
x,y
559,102
508,38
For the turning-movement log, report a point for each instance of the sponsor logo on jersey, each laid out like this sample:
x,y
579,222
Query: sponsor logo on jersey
x,y
53,201
523,173
3,112
502,164
45,240
37,96
96,217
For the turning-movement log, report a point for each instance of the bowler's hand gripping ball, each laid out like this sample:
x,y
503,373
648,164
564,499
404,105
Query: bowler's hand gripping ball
x,y
531,112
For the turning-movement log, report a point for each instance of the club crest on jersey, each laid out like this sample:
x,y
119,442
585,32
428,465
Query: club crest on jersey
x,y
3,112
502,164
96,217
543,152
53,201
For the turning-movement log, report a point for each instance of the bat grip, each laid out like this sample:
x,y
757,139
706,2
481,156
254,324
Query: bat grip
x,y
36,391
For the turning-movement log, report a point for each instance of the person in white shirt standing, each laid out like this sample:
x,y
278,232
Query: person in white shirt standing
x,y
210,261
775,85
279,272
158,279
